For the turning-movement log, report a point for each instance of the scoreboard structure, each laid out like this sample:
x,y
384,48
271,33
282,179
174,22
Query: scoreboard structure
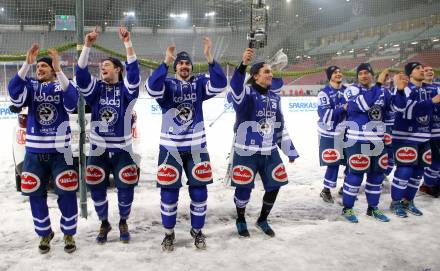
x,y
65,23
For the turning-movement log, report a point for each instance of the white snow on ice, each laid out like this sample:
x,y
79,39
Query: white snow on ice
x,y
310,234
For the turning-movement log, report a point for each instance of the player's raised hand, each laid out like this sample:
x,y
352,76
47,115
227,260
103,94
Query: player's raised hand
x,y
169,55
32,53
383,76
247,56
53,53
401,81
207,46
124,34
436,99
91,37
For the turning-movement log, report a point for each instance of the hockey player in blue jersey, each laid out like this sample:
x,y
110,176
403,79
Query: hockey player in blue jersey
x,y
259,129
332,111
389,122
411,134
111,99
431,183
183,139
49,98
367,105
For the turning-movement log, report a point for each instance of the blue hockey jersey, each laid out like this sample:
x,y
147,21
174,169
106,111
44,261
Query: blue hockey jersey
x,y
331,111
47,127
181,104
413,125
390,115
433,90
367,108
111,107
259,125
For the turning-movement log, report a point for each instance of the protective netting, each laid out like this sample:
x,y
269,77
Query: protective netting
x,y
313,33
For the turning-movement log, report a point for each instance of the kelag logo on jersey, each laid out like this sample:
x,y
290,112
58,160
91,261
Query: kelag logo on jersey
x,y
47,114
47,98
107,101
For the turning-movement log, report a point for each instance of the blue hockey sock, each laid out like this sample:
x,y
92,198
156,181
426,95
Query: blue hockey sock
x,y
352,183
99,197
125,199
168,206
69,213
330,177
241,199
400,182
413,184
198,195
40,214
432,174
373,188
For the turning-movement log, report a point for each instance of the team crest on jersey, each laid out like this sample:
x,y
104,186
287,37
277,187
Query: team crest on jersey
x,y
94,175
242,175
202,172
29,182
67,180
423,120
185,113
375,113
47,114
167,174
359,162
383,161
109,115
279,173
265,128
427,157
406,155
128,174
330,155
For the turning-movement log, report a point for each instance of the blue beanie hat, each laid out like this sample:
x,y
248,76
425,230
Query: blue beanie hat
x,y
364,66
330,70
182,56
46,60
410,67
